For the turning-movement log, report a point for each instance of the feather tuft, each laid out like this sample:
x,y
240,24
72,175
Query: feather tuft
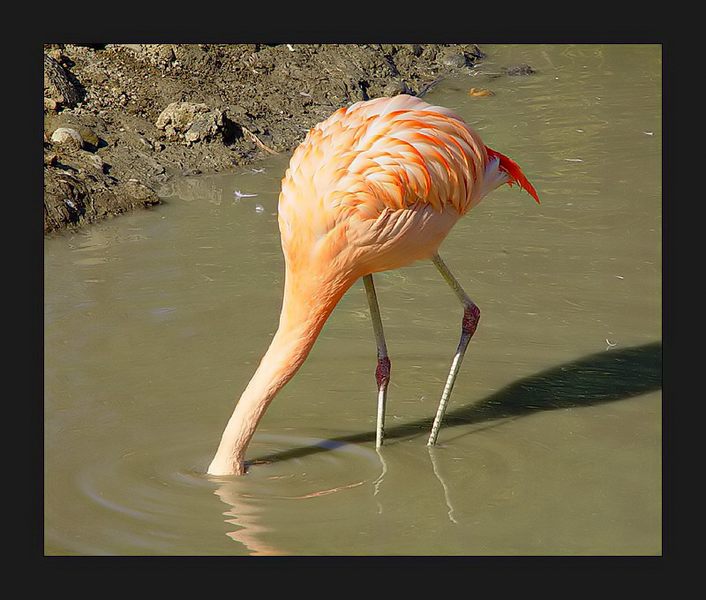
x,y
514,172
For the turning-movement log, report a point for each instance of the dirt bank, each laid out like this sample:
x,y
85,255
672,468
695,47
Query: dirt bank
x,y
119,120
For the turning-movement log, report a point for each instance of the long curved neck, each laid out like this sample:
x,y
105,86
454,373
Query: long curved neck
x,y
307,304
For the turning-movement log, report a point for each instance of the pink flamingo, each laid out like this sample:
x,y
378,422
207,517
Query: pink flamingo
x,y
376,186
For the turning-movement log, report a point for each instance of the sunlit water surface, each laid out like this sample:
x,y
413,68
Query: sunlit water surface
x,y
155,321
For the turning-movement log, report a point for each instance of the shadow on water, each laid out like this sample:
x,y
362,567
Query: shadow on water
x,y
598,378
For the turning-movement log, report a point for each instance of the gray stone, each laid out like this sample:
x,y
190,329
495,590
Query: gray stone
x,y
453,57
395,87
67,136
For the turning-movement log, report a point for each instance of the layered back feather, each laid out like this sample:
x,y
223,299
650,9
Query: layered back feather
x,y
387,153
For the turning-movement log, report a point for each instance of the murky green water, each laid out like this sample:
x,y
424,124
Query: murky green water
x,y
154,323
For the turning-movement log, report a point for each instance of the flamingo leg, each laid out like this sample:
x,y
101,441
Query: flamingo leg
x,y
382,373
471,315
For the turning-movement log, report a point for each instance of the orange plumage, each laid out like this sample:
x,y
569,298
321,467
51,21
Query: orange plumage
x,y
374,187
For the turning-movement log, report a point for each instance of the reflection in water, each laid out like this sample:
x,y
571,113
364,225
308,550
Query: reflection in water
x,y
437,472
247,516
249,497
378,482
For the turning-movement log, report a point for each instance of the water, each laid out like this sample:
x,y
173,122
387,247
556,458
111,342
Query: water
x,y
155,321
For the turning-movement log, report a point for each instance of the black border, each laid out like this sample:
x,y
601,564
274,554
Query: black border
x,y
337,24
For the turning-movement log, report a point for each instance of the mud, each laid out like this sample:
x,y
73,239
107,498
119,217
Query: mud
x,y
130,117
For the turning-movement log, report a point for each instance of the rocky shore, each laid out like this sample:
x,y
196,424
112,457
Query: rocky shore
x,y
121,119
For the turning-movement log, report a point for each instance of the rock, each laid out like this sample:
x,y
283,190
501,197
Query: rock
x,y
89,137
193,122
395,87
59,85
68,137
178,117
205,127
521,69
91,128
139,192
453,57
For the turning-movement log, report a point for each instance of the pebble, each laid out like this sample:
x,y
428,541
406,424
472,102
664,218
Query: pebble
x,y
68,136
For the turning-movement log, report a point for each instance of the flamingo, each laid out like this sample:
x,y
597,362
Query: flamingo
x,y
374,187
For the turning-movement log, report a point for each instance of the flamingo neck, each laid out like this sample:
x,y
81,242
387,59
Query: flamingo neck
x,y
306,306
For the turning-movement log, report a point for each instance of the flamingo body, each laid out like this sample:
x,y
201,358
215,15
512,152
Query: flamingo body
x,y
374,187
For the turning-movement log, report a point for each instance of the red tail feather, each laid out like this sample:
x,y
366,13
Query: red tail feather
x,y
514,172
